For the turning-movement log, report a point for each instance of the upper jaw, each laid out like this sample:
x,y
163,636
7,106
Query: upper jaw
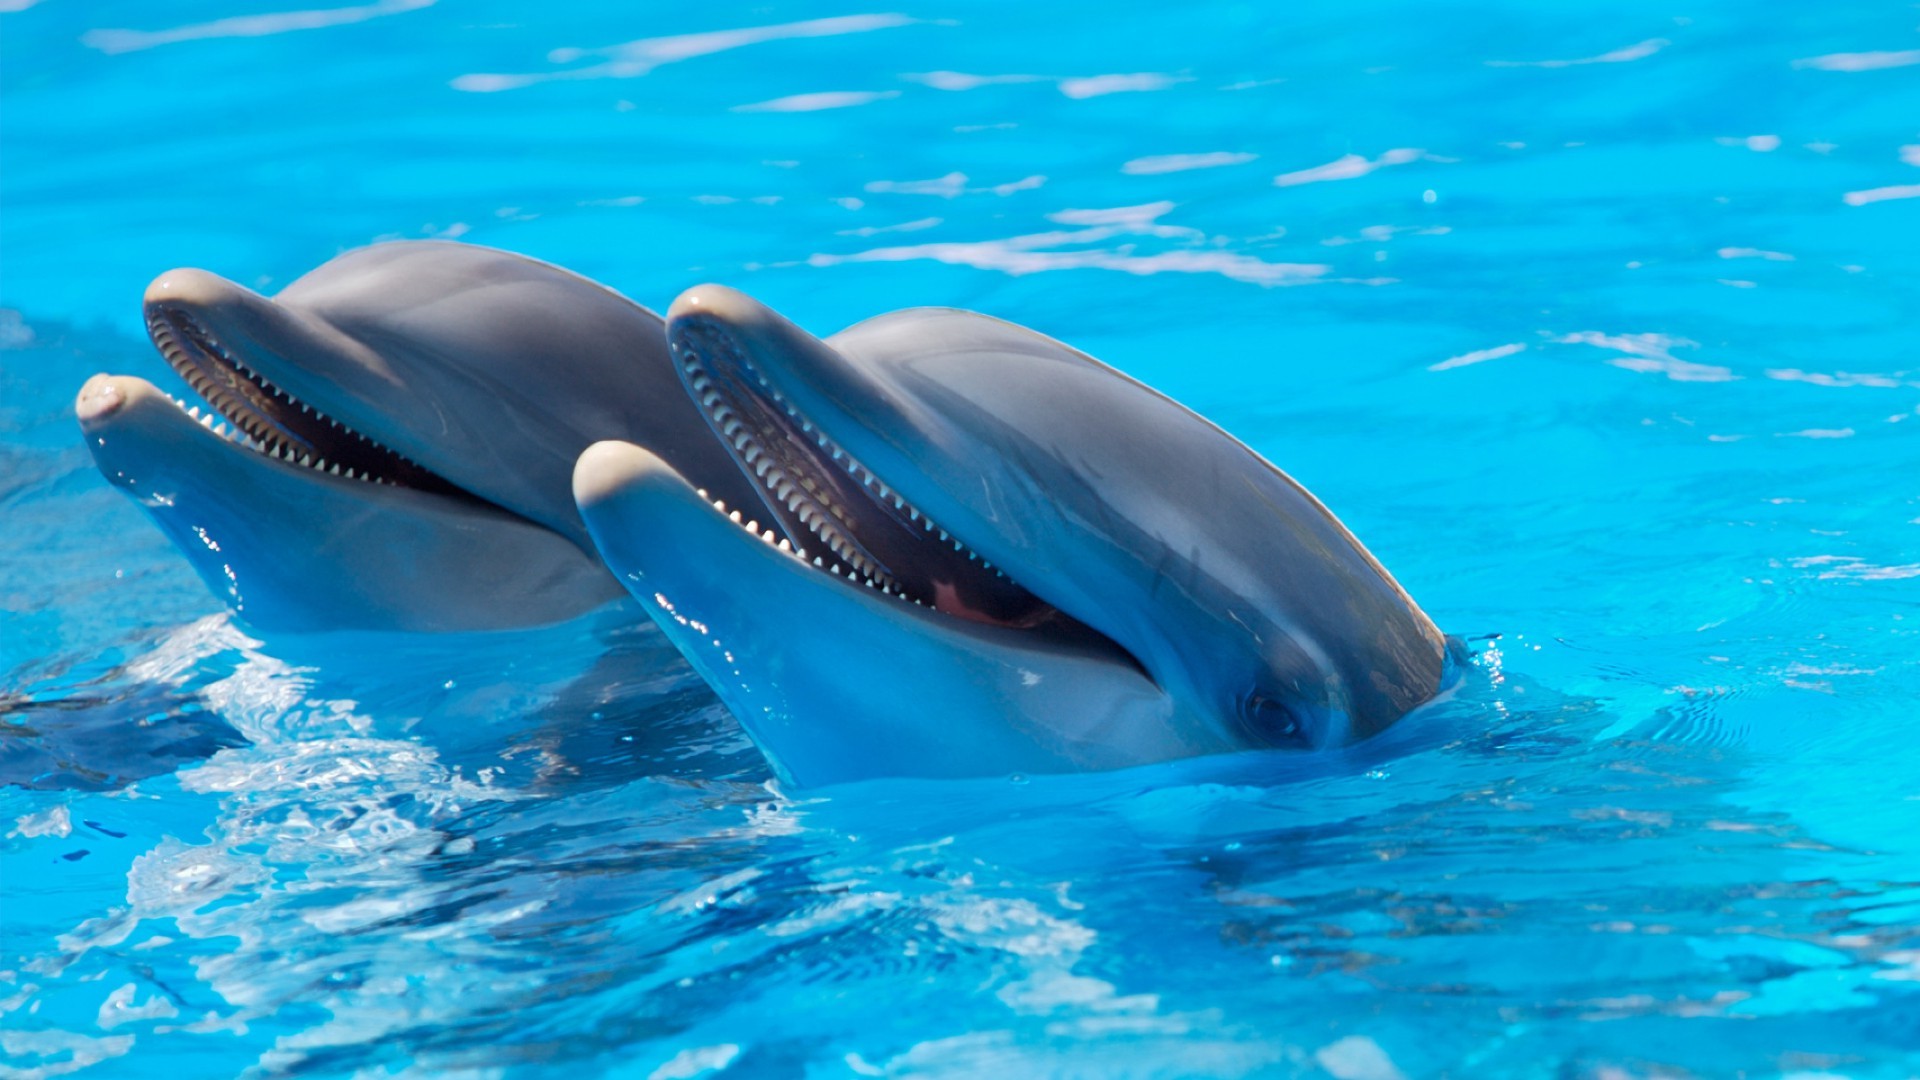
x,y
735,357
230,346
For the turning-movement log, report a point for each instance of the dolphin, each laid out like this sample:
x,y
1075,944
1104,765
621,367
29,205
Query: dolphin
x,y
387,444
990,553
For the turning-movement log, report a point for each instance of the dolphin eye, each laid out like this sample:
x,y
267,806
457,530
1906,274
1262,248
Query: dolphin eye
x,y
1271,723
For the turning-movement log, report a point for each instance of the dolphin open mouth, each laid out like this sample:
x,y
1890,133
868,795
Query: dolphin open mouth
x,y
266,418
835,513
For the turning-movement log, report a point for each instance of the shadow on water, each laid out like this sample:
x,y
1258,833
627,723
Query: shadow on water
x,y
104,736
595,703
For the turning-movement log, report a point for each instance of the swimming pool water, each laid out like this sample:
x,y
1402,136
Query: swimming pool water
x,y
1596,322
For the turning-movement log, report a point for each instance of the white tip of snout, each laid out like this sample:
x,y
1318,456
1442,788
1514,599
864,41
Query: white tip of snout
x,y
190,287
717,302
101,396
609,468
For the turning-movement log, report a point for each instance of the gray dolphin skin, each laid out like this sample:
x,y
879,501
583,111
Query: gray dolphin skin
x,y
388,443
991,553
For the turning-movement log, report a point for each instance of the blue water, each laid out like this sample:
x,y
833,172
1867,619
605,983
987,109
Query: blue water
x,y
1596,322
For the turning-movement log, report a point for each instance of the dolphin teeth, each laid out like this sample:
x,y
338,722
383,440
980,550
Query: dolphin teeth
x,y
767,536
734,517
783,545
816,560
336,469
702,492
753,526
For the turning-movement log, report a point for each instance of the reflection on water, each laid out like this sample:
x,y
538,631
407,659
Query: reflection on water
x,y
637,58
246,26
1628,401
1036,252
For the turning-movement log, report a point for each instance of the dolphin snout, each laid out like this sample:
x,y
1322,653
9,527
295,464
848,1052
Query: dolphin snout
x,y
99,397
610,468
717,302
190,288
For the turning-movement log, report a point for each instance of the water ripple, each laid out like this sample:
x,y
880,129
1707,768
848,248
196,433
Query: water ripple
x,y
636,58
113,42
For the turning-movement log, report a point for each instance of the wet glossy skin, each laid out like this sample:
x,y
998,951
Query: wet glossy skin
x,y
464,380
1210,580
836,681
1236,588
286,547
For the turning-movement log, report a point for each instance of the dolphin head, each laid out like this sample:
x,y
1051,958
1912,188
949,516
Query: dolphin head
x,y
1046,495
443,390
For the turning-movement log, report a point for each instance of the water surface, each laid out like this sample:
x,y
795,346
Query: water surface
x,y
1595,322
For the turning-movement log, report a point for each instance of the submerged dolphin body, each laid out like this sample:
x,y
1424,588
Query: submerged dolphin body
x,y
1005,557
404,423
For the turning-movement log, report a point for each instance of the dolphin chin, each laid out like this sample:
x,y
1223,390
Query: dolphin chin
x,y
293,547
404,420
838,680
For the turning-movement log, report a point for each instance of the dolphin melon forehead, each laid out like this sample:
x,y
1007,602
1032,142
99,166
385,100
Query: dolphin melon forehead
x,y
451,291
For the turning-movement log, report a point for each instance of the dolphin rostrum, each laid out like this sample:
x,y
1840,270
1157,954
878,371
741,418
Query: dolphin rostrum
x,y
991,553
387,443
